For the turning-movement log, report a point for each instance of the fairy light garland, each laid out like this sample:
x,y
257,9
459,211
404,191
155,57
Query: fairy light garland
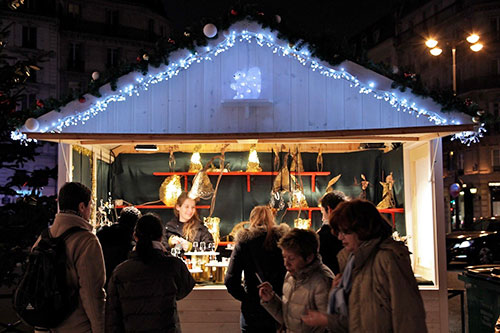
x,y
142,83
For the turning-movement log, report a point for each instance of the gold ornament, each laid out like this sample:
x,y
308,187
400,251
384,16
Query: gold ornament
x,y
387,194
301,223
213,225
282,181
202,187
195,164
170,190
253,164
298,198
329,186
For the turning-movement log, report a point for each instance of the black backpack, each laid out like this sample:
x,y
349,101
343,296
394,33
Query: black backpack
x,y
43,297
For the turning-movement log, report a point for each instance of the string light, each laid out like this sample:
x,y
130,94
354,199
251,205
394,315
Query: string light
x,y
263,39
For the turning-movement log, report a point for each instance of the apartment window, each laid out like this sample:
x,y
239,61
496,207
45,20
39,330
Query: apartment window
x,y
451,161
75,61
29,37
495,27
460,163
112,17
151,26
74,88
113,57
27,101
495,159
74,9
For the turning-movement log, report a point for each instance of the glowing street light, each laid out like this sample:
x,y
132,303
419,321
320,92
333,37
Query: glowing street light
x,y
472,39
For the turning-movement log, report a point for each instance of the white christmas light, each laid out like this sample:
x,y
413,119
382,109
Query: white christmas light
x,y
252,86
247,85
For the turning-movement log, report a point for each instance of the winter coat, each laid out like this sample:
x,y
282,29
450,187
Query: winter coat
x,y
307,291
116,242
329,246
250,256
384,295
85,271
174,227
142,297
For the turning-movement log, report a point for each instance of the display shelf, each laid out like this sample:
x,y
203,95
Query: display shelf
x,y
308,209
312,174
160,207
393,212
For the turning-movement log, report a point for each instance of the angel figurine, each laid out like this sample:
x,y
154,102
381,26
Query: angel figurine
x,y
387,194
364,186
329,186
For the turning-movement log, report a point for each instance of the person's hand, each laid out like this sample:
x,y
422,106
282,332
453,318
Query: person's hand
x,y
315,318
336,280
265,291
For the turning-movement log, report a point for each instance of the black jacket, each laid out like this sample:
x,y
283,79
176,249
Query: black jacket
x,y
174,227
329,246
116,241
142,297
250,256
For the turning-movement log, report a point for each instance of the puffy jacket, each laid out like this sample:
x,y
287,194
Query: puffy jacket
x,y
85,269
142,297
174,227
308,291
248,253
384,295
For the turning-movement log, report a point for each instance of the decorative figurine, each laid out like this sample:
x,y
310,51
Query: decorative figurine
x,y
387,194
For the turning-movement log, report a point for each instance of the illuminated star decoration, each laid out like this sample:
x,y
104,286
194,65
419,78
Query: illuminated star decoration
x,y
134,83
247,85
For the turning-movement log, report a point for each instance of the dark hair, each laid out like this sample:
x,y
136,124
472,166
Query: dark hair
x,y
332,199
129,216
303,242
360,217
147,229
71,194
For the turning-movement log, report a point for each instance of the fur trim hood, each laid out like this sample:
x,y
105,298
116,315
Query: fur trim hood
x,y
246,235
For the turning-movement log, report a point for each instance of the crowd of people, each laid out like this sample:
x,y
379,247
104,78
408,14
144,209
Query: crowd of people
x,y
349,276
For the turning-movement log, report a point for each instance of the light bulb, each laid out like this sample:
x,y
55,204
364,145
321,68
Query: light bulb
x,y
473,38
436,51
431,43
476,47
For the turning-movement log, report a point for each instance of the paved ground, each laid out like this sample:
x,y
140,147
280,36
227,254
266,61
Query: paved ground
x,y
8,316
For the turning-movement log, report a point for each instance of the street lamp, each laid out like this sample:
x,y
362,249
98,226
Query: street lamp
x,y
435,50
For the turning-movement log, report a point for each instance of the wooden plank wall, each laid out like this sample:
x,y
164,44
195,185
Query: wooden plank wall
x,y
212,309
300,100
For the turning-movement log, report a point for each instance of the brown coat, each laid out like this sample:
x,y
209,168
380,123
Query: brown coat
x,y
384,295
85,267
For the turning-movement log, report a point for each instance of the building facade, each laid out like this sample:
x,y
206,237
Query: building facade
x,y
83,37
399,41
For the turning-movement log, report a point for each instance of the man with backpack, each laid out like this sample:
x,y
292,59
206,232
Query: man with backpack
x,y
85,272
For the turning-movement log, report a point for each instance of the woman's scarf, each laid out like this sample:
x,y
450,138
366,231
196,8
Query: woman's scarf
x,y
337,302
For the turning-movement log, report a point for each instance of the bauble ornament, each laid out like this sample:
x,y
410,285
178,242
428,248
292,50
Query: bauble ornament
x,y
95,76
455,190
31,124
82,99
234,12
277,19
145,56
210,30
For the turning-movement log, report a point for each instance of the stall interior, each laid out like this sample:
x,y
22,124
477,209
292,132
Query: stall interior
x,y
138,175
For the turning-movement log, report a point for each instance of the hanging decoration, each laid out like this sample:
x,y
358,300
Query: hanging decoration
x,y
31,124
282,185
95,76
297,165
319,161
364,186
301,223
387,194
253,164
298,197
210,30
170,190
195,164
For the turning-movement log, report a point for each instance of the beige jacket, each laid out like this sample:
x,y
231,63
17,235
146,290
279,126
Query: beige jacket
x,y
85,267
384,295
308,291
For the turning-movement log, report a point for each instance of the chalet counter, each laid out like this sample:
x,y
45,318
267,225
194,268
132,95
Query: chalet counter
x,y
209,309
212,309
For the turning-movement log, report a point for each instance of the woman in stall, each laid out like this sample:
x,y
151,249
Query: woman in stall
x,y
186,227
256,254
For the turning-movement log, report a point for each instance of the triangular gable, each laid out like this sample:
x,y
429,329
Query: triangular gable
x,y
201,93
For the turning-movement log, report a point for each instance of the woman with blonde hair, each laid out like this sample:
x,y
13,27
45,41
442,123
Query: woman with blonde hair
x,y
186,225
256,253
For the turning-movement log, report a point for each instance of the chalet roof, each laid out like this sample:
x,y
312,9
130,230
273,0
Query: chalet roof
x,y
205,95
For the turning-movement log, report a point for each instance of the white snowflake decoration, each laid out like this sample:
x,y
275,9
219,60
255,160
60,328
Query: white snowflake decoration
x,y
247,85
